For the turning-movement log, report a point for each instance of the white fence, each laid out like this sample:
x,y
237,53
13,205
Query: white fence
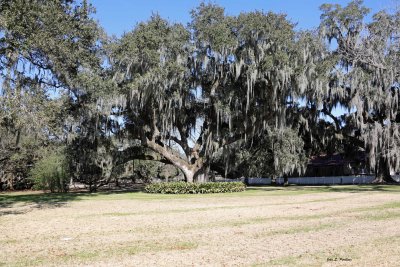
x,y
325,180
229,180
329,180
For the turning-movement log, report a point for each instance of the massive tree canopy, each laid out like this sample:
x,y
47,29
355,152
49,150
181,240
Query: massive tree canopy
x,y
243,95
190,91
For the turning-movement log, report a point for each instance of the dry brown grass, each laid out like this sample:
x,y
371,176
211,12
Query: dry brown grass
x,y
306,226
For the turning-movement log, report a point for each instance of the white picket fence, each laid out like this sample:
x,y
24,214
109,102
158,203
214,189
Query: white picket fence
x,y
325,180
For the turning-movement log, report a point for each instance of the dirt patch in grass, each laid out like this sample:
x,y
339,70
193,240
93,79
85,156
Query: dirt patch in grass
x,y
264,226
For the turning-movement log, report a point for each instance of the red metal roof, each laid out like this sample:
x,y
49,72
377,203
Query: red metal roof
x,y
335,160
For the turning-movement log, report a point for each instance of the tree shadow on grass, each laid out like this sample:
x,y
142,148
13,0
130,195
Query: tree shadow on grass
x,y
22,202
364,188
329,188
37,200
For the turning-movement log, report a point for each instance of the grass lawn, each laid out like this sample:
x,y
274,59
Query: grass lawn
x,y
264,226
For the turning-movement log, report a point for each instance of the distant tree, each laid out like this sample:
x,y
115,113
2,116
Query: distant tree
x,y
364,77
276,153
47,52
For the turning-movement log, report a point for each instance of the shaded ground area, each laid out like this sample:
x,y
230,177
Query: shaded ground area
x,y
302,226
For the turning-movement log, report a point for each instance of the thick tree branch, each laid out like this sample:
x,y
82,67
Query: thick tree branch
x,y
330,115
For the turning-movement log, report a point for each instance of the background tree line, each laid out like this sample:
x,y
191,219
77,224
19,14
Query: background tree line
x,y
244,95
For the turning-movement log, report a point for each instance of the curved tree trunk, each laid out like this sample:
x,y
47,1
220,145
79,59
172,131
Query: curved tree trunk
x,y
195,171
382,173
189,175
198,175
10,181
202,175
285,180
273,180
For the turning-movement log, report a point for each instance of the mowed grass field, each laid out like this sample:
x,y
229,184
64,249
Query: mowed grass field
x,y
264,226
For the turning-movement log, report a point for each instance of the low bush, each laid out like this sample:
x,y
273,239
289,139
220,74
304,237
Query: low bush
x,y
51,172
194,188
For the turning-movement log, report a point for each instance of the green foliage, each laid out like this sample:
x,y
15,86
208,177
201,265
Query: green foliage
x,y
343,21
274,153
368,81
278,152
146,169
51,172
194,188
47,48
223,83
212,27
230,78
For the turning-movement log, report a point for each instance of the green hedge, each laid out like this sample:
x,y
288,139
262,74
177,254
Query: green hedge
x,y
194,188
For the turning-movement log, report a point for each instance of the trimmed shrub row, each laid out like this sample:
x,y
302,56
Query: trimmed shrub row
x,y
194,188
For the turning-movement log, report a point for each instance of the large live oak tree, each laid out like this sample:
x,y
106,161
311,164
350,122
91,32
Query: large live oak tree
x,y
190,91
222,85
